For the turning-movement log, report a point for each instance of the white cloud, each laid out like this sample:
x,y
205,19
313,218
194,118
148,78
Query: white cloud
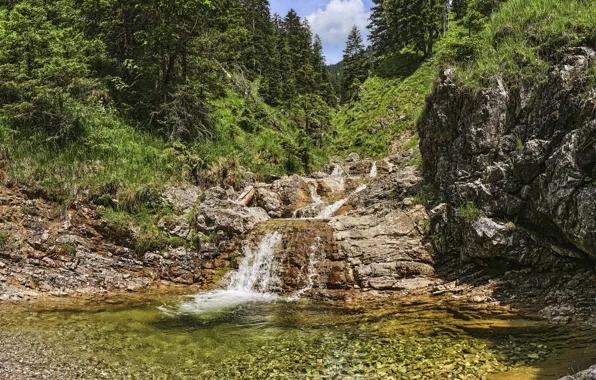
x,y
333,24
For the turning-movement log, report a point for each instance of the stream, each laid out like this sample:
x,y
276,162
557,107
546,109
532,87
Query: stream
x,y
247,331
284,339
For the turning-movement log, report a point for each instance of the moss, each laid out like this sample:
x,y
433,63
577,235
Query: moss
x,y
429,196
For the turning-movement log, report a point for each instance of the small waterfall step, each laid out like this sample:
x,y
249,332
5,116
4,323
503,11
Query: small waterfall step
x,y
292,257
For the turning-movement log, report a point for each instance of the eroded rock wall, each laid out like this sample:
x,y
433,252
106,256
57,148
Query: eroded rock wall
x,y
524,155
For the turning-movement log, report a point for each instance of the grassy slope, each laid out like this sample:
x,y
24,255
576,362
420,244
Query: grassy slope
x,y
524,35
390,103
120,167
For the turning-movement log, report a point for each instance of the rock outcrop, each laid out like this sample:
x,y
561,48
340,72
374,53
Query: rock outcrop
x,y
525,156
515,167
220,214
74,252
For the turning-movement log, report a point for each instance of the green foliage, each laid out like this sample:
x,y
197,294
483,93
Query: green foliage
x,y
522,37
519,143
45,67
417,24
355,66
468,212
390,103
4,237
109,155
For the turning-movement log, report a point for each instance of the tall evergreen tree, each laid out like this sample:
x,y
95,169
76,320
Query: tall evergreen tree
x,y
322,77
379,29
355,65
416,23
260,35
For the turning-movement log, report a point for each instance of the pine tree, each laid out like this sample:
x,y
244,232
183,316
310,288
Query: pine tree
x,y
415,23
355,65
322,77
379,30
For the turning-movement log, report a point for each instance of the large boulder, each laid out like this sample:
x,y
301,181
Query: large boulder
x,y
269,201
294,193
219,213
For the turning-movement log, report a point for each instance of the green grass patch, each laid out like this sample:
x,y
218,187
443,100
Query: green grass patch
x,y
522,38
108,155
391,102
4,237
469,213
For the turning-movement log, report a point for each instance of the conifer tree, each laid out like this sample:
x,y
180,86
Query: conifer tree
x,y
415,23
322,77
379,29
355,65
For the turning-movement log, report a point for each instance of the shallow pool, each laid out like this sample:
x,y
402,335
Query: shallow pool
x,y
284,339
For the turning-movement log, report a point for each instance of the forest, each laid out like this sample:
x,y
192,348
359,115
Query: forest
x,y
100,94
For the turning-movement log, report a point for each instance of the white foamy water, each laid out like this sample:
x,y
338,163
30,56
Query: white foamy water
x,y
330,210
373,170
251,282
316,200
338,171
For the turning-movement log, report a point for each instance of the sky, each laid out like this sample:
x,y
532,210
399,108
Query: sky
x,y
332,20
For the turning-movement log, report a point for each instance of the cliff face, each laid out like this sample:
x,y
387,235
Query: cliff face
x,y
524,155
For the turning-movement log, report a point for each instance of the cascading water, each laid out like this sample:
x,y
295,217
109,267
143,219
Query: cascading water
x,y
315,255
330,210
373,170
338,171
316,200
251,282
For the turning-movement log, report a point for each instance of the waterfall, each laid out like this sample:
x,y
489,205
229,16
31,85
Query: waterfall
x,y
316,200
315,255
373,170
253,281
338,171
330,210
255,273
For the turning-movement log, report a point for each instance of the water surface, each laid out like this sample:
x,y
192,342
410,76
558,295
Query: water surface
x,y
287,339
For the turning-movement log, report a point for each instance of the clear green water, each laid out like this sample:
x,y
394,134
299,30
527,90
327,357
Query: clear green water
x,y
291,340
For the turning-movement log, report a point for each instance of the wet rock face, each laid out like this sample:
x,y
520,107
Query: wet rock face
x,y
293,192
524,155
308,259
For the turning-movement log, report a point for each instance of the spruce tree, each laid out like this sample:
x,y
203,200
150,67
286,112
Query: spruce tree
x,y
355,65
322,77
415,23
379,30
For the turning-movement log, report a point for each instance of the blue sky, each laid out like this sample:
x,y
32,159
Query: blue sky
x,y
330,19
